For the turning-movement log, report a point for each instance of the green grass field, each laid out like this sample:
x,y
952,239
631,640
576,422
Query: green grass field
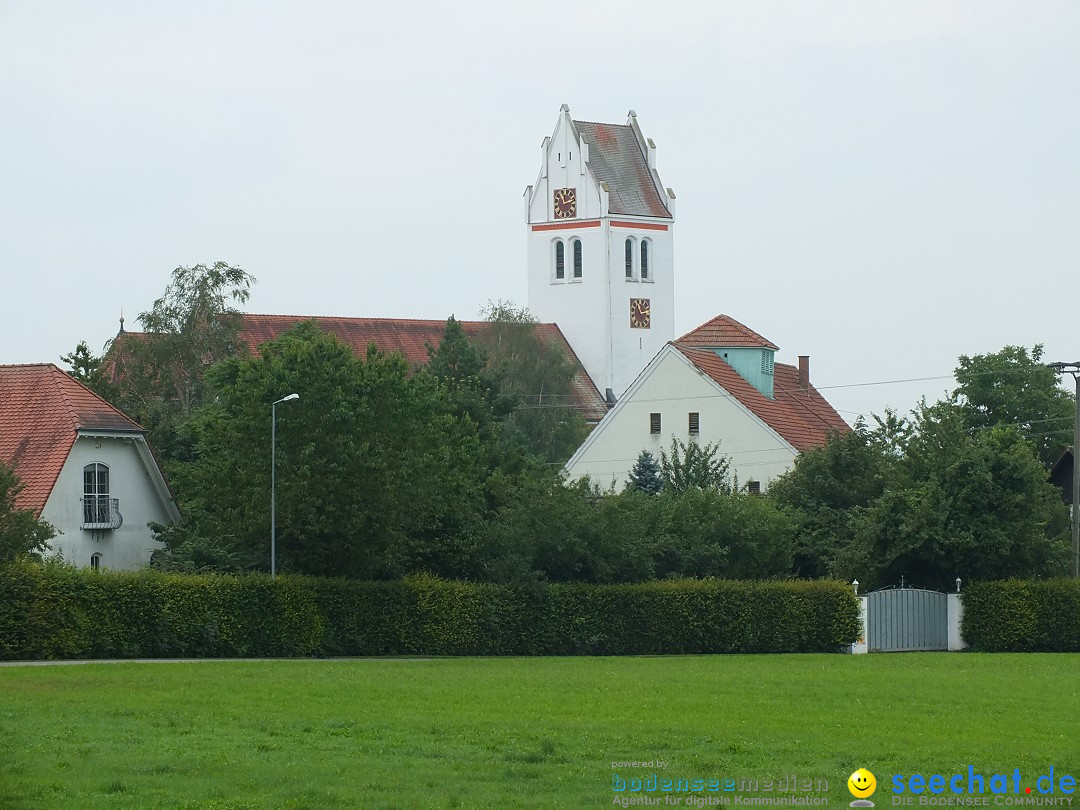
x,y
516,732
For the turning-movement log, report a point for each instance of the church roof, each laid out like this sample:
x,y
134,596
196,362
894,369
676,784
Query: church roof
x,y
41,411
616,157
724,332
410,338
802,417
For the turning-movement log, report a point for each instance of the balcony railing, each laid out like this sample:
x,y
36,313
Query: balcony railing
x,y
101,513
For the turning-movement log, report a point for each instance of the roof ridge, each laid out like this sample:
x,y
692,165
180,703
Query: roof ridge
x,y
598,123
62,389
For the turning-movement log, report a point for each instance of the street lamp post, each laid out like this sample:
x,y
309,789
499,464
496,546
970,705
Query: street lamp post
x,y
273,482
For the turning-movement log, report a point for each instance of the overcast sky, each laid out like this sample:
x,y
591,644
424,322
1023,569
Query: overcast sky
x,y
882,186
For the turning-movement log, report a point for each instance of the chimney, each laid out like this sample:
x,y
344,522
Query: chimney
x,y
804,372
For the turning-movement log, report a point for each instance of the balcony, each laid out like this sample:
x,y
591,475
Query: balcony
x,y
101,513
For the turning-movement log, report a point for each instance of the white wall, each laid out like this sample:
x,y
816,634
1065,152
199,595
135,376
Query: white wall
x,y
594,313
674,388
131,545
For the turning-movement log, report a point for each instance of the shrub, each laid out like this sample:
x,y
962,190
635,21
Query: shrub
x,y
55,611
1023,615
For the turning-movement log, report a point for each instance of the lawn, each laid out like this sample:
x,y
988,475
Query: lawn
x,y
517,732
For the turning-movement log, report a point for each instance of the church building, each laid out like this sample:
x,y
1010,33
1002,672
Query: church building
x,y
600,259
600,229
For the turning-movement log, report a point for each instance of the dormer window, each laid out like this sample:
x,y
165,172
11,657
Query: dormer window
x,y
644,259
766,362
577,258
560,260
629,254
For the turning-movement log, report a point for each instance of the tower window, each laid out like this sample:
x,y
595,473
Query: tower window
x,y
577,258
644,258
753,487
654,423
766,362
695,423
560,260
629,258
95,562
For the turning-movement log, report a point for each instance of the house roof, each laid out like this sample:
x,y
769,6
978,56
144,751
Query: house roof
x,y
616,157
802,417
723,332
410,338
41,411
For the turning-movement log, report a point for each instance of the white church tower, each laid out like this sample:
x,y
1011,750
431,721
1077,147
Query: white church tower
x,y
600,254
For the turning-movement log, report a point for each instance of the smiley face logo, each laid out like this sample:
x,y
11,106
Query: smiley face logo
x,y
862,784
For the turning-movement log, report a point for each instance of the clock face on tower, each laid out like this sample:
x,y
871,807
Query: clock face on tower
x,y
565,203
640,313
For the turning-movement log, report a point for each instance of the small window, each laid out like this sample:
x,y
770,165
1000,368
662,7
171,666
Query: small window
x,y
753,487
577,258
560,260
695,424
654,423
95,562
766,362
644,258
629,258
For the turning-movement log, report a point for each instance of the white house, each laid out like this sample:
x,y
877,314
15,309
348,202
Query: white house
x,y
87,468
718,383
599,227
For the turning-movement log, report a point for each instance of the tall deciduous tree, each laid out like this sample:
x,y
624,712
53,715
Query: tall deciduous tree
x,y
695,466
376,478
21,532
1016,387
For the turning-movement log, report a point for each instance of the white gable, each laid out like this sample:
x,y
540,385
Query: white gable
x,y
673,388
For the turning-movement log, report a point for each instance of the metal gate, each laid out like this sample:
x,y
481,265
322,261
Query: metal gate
x,y
900,619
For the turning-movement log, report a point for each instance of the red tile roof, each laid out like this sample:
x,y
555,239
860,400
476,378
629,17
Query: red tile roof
x,y
41,409
410,338
725,332
617,158
803,418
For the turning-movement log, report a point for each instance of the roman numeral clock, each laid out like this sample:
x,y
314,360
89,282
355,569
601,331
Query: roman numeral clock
x,y
640,313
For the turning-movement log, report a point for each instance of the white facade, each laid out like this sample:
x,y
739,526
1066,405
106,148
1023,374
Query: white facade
x,y
592,304
134,480
674,388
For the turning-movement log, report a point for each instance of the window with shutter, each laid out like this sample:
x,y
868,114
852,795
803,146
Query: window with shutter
x,y
577,258
695,424
560,261
654,423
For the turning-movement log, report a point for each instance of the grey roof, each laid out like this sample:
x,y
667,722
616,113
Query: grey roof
x,y
616,158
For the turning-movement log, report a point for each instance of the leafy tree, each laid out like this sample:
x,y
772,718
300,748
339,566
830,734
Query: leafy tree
x,y
537,378
91,371
1016,387
157,377
974,504
828,491
21,532
645,476
707,532
376,478
695,466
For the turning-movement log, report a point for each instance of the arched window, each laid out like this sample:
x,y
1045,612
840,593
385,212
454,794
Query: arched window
x,y
96,494
560,260
577,258
644,259
95,562
629,252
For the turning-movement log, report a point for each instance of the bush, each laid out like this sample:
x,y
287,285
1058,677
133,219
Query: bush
x,y
1023,615
53,611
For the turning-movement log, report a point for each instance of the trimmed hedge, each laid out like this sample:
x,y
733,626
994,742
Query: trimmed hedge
x,y
54,612
1022,615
